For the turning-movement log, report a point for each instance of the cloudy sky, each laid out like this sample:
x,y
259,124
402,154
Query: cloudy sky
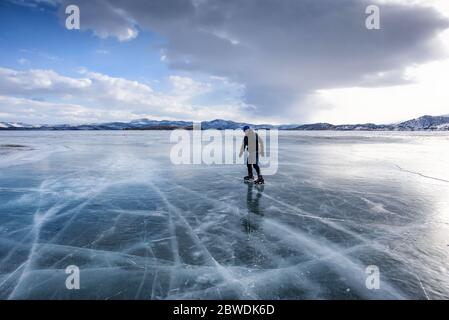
x,y
276,61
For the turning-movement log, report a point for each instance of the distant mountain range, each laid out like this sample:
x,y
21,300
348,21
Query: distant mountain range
x,y
430,123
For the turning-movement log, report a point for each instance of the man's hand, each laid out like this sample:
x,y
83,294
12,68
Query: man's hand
x,y
240,154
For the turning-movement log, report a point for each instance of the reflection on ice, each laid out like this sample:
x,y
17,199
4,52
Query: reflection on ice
x,y
138,227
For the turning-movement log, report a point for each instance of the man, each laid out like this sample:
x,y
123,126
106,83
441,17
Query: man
x,y
254,145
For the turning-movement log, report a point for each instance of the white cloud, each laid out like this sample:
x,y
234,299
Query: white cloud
x,y
120,24
425,93
40,54
99,97
441,5
293,61
101,51
28,110
38,81
282,51
428,94
23,61
186,87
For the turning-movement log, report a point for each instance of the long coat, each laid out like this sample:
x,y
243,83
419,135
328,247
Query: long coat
x,y
254,145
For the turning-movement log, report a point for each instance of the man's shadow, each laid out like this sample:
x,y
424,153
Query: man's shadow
x,y
251,222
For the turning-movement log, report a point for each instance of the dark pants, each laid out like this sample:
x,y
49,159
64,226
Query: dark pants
x,y
250,169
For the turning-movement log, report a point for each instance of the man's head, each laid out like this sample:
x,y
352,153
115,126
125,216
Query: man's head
x,y
245,128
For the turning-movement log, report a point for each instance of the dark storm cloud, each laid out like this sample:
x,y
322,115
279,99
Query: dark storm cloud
x,y
281,50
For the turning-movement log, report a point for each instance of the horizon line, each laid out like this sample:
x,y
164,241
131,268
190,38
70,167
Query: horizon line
x,y
218,119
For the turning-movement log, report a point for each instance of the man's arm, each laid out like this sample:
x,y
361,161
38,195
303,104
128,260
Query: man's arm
x,y
261,147
242,148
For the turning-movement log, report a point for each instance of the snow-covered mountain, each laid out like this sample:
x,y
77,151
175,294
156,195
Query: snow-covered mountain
x,y
431,123
221,124
16,125
342,127
425,123
227,124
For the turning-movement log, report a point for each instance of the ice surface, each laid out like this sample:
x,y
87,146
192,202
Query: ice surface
x,y
139,227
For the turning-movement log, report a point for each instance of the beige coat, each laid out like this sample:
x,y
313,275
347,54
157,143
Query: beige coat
x,y
252,155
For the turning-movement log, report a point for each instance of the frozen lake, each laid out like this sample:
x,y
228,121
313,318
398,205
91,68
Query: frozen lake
x,y
138,227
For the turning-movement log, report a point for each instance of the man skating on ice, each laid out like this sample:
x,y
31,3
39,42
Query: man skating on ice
x,y
254,145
